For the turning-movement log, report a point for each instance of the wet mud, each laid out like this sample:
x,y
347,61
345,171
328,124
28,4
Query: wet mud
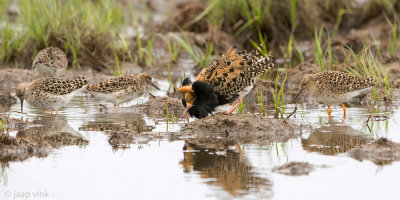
x,y
16,149
380,152
220,131
13,124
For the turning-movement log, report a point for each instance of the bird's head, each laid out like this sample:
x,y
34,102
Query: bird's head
x,y
304,84
148,80
199,98
188,98
21,93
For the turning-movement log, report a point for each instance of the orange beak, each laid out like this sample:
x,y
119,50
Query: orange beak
x,y
188,106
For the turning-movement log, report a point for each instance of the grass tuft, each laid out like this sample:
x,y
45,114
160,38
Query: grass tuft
x,y
368,65
280,103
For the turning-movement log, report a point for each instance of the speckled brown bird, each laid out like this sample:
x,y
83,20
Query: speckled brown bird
x,y
224,81
50,93
334,87
122,89
50,61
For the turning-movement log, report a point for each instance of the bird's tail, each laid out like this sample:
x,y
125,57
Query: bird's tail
x,y
260,63
79,82
366,82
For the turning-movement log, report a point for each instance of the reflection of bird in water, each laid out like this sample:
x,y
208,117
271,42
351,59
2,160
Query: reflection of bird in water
x,y
334,138
229,171
123,128
117,122
54,130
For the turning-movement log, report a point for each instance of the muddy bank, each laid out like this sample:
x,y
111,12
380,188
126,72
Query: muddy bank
x,y
380,152
221,131
154,107
295,168
6,100
15,149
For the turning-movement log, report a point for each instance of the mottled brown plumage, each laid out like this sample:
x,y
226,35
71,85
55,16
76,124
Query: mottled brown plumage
x,y
230,77
50,61
233,72
122,88
334,87
50,93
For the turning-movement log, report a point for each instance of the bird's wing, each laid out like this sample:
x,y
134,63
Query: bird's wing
x,y
234,71
342,82
113,85
59,86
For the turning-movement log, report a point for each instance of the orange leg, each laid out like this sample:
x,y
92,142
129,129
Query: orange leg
x,y
344,110
230,111
56,113
51,112
329,112
237,147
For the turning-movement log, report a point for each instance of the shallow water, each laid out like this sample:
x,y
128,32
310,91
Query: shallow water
x,y
159,168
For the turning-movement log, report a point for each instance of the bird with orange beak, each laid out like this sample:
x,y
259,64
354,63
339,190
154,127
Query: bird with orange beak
x,y
225,80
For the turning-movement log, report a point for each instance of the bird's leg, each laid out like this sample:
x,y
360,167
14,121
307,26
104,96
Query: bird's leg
x,y
329,112
344,110
51,112
237,147
230,111
56,113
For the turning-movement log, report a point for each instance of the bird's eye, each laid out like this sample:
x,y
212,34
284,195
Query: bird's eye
x,y
191,99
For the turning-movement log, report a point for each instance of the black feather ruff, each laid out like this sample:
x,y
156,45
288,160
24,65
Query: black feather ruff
x,y
204,100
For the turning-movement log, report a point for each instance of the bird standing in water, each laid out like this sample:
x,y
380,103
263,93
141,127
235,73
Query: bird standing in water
x,y
122,88
50,93
335,87
224,81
